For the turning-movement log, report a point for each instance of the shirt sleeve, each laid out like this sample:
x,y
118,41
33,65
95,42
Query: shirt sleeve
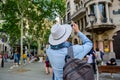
x,y
81,50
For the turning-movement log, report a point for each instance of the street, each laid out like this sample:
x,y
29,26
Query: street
x,y
35,71
32,71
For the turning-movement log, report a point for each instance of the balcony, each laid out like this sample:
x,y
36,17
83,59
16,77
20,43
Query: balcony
x,y
76,1
101,27
78,13
104,20
89,2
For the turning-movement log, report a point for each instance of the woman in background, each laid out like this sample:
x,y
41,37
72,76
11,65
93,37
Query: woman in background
x,y
112,61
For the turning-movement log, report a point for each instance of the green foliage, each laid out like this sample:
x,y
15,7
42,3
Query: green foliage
x,y
33,13
34,44
11,27
46,36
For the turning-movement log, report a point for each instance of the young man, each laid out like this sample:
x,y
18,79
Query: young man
x,y
59,47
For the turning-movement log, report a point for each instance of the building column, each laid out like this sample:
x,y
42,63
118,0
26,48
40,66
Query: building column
x,y
112,53
111,45
84,23
80,24
100,42
100,45
107,12
98,13
88,12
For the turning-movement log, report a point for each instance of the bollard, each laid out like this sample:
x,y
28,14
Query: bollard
x,y
2,63
0,60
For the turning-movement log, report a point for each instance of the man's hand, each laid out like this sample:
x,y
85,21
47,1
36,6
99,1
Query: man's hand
x,y
75,27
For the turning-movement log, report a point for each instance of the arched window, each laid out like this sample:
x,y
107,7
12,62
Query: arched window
x,y
75,41
93,9
102,9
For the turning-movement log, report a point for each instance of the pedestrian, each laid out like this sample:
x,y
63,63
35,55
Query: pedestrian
x,y
48,68
112,61
98,56
15,59
2,63
18,55
5,56
58,47
91,56
28,57
101,54
11,56
24,57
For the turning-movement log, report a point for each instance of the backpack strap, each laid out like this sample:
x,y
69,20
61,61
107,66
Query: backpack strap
x,y
70,52
53,76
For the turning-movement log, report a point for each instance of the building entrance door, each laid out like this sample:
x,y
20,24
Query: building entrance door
x,y
116,45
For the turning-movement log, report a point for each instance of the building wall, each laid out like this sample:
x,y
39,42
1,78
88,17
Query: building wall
x,y
115,7
4,46
105,39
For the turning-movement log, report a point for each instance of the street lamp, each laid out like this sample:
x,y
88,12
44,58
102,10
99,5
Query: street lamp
x,y
91,19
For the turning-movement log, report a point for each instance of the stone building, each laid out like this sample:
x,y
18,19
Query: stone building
x,y
106,26
4,46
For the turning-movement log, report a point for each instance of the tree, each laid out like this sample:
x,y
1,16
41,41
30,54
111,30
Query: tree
x,y
31,13
43,11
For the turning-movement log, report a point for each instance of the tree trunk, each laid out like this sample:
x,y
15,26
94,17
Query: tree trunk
x,y
21,40
39,47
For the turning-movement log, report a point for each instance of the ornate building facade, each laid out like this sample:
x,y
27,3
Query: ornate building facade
x,y
106,26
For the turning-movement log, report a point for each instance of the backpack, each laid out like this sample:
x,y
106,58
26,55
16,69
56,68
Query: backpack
x,y
76,69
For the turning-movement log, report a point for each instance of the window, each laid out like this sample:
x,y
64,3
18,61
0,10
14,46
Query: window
x,y
75,41
102,12
76,8
93,9
102,9
78,22
85,22
82,26
68,5
64,19
68,17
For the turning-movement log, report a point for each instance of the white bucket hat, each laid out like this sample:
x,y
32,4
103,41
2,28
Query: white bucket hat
x,y
59,33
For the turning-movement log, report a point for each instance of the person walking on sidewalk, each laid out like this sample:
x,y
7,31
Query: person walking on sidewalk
x,y
59,47
91,56
24,57
18,55
15,59
98,56
48,68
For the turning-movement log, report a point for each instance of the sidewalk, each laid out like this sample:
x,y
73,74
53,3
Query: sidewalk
x,y
31,71
107,76
35,71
